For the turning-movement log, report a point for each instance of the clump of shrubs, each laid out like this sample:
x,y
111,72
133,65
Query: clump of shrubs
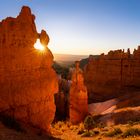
x,y
89,123
134,122
130,123
101,125
90,133
131,132
86,134
115,132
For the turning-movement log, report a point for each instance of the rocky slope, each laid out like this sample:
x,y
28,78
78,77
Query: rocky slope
x,y
128,100
27,81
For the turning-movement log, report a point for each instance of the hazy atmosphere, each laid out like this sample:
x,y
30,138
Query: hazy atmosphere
x,y
83,26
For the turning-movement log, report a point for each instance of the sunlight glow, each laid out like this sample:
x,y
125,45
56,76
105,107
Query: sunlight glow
x,y
38,45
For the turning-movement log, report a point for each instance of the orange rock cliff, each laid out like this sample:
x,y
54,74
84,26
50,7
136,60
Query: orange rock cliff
x,y
112,75
78,96
27,81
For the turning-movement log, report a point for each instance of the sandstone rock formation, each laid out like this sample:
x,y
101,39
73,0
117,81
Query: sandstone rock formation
x,y
78,97
112,75
27,80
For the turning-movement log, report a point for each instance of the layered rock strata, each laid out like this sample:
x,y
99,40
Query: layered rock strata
x,y
112,75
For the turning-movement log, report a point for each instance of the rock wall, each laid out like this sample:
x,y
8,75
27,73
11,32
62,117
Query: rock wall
x,y
27,81
78,97
112,75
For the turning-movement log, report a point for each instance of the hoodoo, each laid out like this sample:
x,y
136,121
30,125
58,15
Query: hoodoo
x,y
78,96
27,81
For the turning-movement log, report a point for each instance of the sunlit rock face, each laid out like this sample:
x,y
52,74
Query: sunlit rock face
x,y
112,75
27,80
78,97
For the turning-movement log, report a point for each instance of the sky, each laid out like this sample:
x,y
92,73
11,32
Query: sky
x,y
83,26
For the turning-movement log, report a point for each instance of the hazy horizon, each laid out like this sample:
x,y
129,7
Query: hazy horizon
x,y
68,57
83,27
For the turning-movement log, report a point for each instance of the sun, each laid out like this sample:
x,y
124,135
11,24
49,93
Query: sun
x,y
38,45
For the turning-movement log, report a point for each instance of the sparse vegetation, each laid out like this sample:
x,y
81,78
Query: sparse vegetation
x,y
131,132
90,133
80,132
101,125
113,133
133,122
98,131
65,125
81,129
86,134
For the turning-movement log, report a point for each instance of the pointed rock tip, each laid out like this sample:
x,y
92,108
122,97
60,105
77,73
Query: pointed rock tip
x,y
25,9
26,12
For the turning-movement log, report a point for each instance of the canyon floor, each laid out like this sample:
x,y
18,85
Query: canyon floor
x,y
66,131
8,134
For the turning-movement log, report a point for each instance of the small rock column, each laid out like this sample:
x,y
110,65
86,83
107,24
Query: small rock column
x,y
78,96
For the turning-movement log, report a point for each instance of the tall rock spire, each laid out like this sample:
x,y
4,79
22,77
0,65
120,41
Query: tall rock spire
x,y
78,96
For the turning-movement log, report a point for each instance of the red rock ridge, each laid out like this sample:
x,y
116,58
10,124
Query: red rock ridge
x,y
113,74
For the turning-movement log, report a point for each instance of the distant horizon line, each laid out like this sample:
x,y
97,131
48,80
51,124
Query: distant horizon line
x,y
71,54
125,50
